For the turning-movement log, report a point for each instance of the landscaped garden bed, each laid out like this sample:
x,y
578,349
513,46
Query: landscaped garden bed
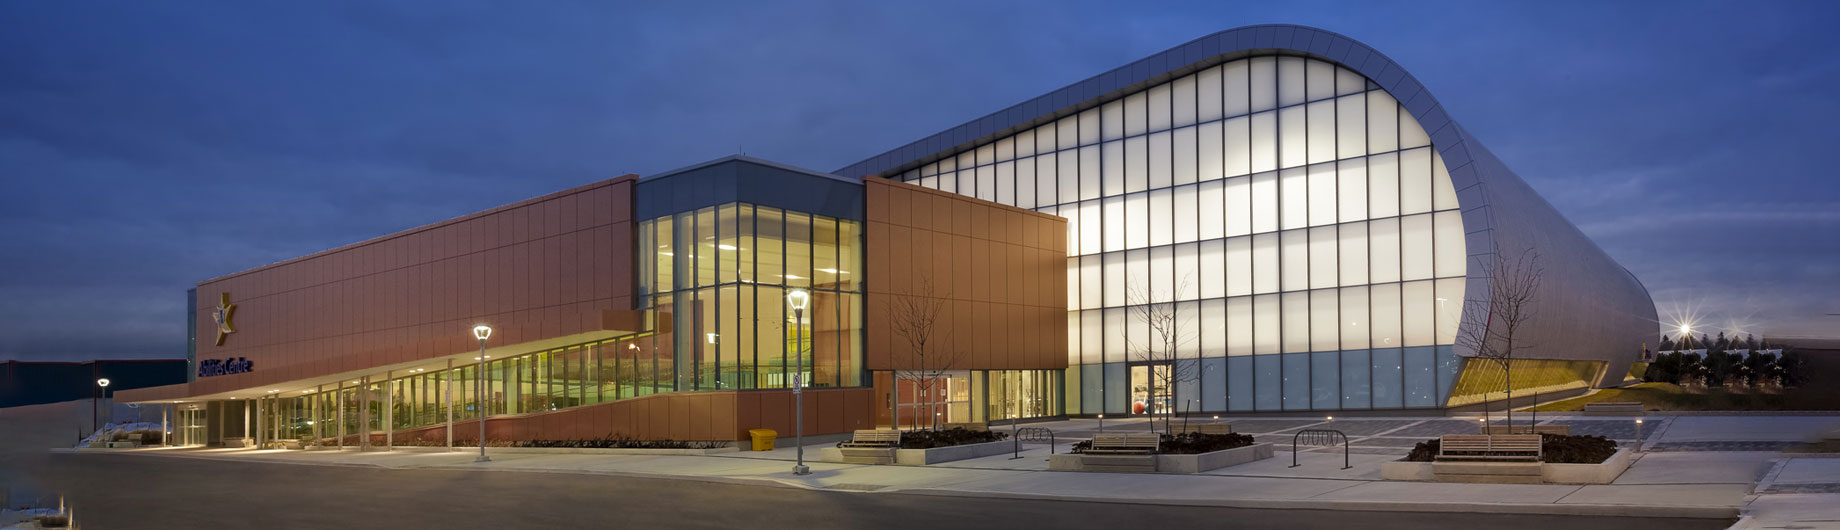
x,y
925,447
1179,453
1564,460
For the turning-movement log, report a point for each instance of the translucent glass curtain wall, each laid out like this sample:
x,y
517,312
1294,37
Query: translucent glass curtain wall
x,y
1295,213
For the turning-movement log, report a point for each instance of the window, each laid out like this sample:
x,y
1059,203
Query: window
x,y
1207,96
1184,165
1186,225
1383,250
1351,196
1264,202
1415,181
1293,142
1211,274
1266,334
1322,257
1263,84
1237,212
1322,194
1415,247
1352,238
1182,95
1161,168
1209,198
1350,126
1265,262
1448,243
1294,197
1296,321
1322,131
1263,141
1239,266
1353,323
1136,164
1296,273
1290,81
1158,105
1111,156
1234,83
1209,152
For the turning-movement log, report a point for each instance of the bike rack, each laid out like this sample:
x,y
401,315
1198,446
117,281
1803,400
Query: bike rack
x,y
1032,435
1319,438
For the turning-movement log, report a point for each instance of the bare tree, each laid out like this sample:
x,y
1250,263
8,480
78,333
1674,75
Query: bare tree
x,y
915,319
1165,334
1498,321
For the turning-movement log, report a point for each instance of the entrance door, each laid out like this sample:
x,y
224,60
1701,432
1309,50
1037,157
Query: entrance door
x,y
1150,393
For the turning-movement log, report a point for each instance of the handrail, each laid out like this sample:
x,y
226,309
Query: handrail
x,y
1032,435
1320,437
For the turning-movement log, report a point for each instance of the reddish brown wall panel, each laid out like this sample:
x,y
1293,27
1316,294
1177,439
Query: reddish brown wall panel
x,y
996,266
533,269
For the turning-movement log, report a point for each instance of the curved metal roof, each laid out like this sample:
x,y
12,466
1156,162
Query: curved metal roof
x,y
1175,62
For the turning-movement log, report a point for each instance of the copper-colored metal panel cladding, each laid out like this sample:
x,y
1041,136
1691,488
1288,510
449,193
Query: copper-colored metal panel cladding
x,y
998,268
532,269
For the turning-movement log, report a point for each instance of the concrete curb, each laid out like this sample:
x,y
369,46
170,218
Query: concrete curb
x,y
1598,510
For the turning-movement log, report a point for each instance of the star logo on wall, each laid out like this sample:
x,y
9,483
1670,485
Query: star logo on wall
x,y
225,312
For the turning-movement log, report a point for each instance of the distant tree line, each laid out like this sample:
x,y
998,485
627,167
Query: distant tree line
x,y
1727,363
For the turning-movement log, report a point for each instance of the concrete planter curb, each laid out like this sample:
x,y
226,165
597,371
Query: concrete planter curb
x,y
936,455
1603,473
1171,463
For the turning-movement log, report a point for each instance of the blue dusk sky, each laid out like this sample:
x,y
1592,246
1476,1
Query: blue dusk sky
x,y
145,146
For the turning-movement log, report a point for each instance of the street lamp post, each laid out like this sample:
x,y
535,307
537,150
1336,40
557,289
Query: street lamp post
x,y
481,332
95,414
798,298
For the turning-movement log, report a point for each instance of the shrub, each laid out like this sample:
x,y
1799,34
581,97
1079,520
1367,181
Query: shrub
x,y
1560,449
948,438
1194,443
618,442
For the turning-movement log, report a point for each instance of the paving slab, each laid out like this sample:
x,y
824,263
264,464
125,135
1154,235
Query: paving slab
x,y
1661,495
1750,428
1797,511
1325,465
1809,471
1435,428
1452,493
1697,468
1152,486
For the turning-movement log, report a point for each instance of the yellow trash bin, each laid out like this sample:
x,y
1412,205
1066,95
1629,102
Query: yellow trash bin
x,y
763,438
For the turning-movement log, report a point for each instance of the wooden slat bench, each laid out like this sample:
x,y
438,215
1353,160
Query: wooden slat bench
x,y
1113,452
1125,443
1613,408
1506,447
871,446
1214,428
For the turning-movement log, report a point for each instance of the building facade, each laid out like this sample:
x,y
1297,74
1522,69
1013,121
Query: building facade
x,y
1322,230
1314,229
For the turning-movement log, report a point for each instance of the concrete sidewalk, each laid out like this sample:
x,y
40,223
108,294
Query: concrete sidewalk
x,y
1318,483
1708,467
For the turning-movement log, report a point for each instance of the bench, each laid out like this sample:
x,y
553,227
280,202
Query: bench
x,y
1564,430
1214,428
871,446
1613,408
1509,447
1125,443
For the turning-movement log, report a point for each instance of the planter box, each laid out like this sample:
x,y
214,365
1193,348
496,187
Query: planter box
x,y
1214,460
1603,473
921,457
1160,463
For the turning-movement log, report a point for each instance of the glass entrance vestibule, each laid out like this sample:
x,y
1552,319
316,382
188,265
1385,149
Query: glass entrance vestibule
x,y
950,397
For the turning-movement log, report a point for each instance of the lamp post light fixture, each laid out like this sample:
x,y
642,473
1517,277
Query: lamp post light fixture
x,y
95,405
798,298
481,332
1638,435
